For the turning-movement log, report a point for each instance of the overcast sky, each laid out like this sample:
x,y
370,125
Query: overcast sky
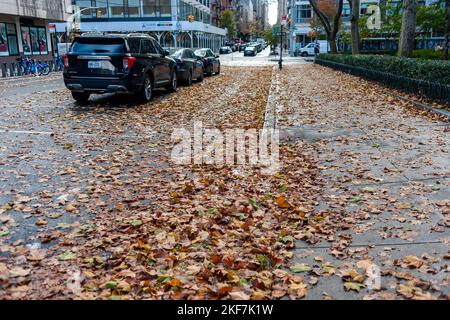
x,y
273,8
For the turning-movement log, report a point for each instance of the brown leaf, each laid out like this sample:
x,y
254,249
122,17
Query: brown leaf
x,y
282,203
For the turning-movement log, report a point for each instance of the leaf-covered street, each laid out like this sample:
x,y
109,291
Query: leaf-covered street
x,y
92,207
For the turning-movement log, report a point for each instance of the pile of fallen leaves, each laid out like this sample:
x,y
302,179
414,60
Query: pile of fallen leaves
x,y
149,229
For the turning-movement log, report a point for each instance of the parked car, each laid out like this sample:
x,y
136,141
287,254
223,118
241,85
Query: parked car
x,y
211,62
232,45
225,50
134,64
257,45
242,46
262,42
251,50
309,49
189,66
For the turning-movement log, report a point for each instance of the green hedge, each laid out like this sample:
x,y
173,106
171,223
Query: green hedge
x,y
428,70
428,54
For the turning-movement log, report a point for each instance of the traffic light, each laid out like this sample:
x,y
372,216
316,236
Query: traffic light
x,y
289,22
191,18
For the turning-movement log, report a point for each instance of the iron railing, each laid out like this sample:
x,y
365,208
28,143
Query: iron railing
x,y
432,90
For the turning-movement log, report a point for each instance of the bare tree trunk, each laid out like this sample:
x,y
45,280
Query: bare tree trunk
x,y
332,43
447,29
408,30
355,6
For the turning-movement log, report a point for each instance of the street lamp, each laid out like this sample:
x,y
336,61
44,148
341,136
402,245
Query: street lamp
x,y
74,22
191,20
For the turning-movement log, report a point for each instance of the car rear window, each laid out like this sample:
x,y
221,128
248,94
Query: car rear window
x,y
99,45
177,54
201,53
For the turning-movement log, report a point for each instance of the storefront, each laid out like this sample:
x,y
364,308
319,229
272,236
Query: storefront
x,y
28,34
27,37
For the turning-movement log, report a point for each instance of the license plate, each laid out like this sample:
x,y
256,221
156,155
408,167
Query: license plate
x,y
94,64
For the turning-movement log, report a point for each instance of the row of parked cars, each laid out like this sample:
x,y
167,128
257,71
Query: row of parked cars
x,y
134,64
250,49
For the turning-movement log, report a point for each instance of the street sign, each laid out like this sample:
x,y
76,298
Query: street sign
x,y
276,29
283,20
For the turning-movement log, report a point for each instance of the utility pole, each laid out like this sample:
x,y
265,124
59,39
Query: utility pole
x,y
191,20
282,23
280,62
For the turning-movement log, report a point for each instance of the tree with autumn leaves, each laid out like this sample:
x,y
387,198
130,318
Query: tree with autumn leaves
x,y
329,13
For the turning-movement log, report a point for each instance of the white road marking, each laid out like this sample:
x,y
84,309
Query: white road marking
x,y
148,133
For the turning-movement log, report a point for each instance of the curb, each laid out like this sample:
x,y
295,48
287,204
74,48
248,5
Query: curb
x,y
423,106
270,116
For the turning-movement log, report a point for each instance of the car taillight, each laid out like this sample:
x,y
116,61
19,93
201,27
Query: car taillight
x,y
128,62
65,60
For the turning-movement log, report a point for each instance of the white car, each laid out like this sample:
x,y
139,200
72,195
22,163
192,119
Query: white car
x,y
308,50
251,51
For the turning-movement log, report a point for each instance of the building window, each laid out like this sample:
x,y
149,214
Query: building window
x,y
165,8
302,13
116,8
42,40
34,40
149,8
101,9
8,40
134,8
26,41
85,8
124,8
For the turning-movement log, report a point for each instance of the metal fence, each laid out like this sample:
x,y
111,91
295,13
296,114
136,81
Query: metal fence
x,y
11,69
432,90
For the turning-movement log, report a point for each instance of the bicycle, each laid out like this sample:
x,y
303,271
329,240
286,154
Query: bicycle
x,y
30,66
59,65
24,65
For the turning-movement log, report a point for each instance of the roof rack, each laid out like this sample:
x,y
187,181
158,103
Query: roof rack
x,y
91,34
135,34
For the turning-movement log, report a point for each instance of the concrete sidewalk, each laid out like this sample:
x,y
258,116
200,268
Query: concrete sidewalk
x,y
386,199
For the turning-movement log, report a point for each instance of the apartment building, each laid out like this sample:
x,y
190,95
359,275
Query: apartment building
x,y
24,28
166,20
302,16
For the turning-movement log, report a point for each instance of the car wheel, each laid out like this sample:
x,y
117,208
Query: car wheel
x,y
81,97
172,87
147,89
304,54
200,79
218,69
189,78
210,70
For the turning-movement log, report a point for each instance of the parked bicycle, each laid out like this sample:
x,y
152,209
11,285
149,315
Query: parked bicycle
x,y
30,66
59,65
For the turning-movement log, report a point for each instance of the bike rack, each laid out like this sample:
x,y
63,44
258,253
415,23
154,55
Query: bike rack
x,y
4,68
11,69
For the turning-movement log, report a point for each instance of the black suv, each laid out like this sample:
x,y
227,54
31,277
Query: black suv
x,y
118,63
